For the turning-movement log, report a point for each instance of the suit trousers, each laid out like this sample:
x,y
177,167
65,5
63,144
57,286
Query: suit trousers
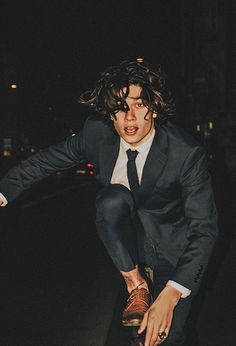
x,y
120,230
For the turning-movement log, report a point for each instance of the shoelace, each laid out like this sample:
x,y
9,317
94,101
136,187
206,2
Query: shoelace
x,y
142,293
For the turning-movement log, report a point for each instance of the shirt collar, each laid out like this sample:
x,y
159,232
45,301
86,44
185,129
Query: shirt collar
x,y
142,147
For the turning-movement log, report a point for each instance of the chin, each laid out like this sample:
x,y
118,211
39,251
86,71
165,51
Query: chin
x,y
133,142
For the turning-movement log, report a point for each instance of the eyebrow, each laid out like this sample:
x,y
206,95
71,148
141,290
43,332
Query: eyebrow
x,y
134,98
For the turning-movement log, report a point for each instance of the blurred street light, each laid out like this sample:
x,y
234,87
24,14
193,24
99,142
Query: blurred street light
x,y
139,59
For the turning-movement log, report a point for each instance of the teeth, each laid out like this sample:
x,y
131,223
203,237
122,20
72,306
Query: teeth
x,y
131,129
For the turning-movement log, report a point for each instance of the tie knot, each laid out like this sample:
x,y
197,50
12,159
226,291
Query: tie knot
x,y
132,154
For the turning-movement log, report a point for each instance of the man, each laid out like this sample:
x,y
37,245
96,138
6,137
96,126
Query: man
x,y
156,206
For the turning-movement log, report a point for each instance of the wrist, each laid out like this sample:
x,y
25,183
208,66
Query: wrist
x,y
173,294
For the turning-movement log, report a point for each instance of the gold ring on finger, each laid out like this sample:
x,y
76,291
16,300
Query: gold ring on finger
x,y
162,335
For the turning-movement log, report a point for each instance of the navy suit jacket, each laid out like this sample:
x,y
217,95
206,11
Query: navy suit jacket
x,y
177,206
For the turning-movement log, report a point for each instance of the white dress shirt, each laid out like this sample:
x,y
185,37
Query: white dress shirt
x,y
119,176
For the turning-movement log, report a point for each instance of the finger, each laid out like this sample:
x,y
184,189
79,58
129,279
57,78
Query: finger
x,y
156,340
149,333
143,324
162,334
168,326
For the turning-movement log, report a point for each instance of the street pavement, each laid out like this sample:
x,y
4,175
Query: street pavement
x,y
59,287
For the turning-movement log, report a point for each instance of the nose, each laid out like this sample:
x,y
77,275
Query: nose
x,y
130,115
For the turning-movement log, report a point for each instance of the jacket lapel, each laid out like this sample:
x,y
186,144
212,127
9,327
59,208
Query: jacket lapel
x,y
155,163
153,167
107,158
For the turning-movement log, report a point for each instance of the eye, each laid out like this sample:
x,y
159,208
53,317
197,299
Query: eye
x,y
139,104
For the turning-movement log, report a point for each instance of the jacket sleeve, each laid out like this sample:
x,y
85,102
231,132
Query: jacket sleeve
x,y
201,217
40,165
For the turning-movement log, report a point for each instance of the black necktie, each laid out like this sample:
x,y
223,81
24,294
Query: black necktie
x,y
132,174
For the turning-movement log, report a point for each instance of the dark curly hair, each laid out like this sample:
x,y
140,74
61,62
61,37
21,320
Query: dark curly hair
x,y
112,88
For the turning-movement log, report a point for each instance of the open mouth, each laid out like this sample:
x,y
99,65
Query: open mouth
x,y
131,130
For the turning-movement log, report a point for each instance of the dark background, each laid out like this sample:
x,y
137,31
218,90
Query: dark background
x,y
53,51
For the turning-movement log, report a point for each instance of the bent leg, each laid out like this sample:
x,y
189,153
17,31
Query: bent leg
x,y
115,226
115,209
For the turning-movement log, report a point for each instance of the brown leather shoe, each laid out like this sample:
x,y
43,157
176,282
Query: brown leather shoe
x,y
138,303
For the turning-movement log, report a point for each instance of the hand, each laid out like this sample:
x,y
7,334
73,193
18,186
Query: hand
x,y
159,316
3,200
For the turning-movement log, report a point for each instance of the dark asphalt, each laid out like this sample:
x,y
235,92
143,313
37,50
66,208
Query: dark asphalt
x,y
53,267
59,287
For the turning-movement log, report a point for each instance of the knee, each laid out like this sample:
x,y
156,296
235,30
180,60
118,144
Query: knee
x,y
114,199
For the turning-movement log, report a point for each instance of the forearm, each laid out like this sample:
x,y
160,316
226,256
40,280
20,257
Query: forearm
x,y
201,220
193,262
37,167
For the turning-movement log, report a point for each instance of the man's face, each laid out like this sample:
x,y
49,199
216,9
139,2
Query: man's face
x,y
137,125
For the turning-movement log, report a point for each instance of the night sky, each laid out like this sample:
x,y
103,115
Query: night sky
x,y
58,48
